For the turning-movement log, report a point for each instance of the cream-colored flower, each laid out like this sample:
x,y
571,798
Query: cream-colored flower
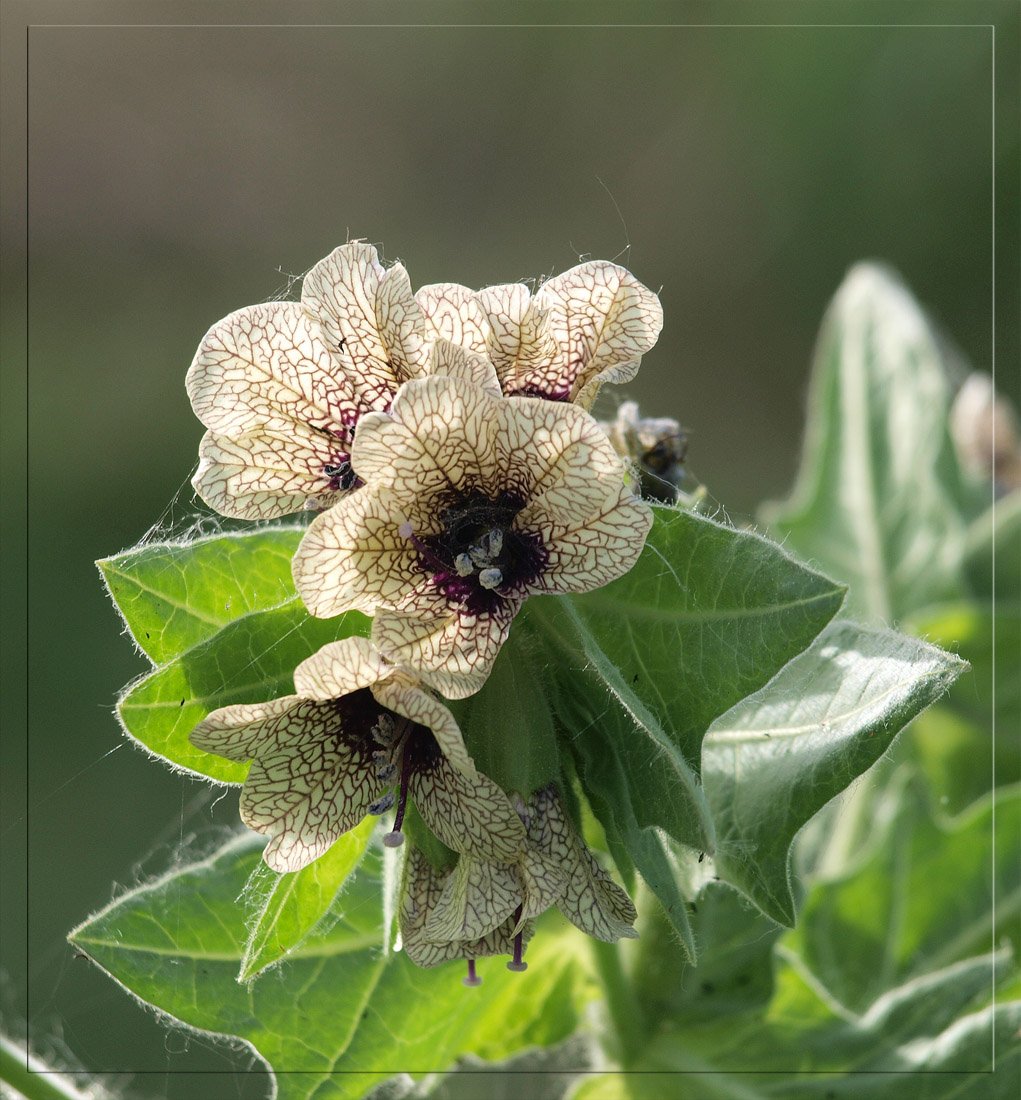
x,y
358,735
471,503
281,386
421,889
588,326
481,907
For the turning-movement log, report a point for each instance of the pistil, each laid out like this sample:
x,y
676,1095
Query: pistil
x,y
472,979
517,964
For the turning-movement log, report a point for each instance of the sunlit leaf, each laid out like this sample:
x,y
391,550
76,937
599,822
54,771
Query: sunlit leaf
x,y
781,754
290,906
339,1014
175,595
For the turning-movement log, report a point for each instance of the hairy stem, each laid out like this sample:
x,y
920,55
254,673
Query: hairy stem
x,y
626,1015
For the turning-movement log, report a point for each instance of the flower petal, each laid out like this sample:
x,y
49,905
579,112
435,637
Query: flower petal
x,y
591,900
265,367
369,317
452,313
421,888
232,731
551,447
451,651
264,474
604,320
354,557
543,881
455,362
521,346
471,816
586,554
477,898
339,669
307,785
401,695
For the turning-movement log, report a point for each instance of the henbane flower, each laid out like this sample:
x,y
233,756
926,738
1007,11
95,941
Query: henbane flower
x,y
358,736
281,386
471,502
590,325
481,907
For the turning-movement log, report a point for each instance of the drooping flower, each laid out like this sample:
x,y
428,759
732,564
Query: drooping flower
x,y
480,907
590,325
471,502
358,736
421,889
281,386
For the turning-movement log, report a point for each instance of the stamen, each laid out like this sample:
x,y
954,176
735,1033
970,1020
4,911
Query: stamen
x,y
463,565
490,578
395,838
517,964
473,979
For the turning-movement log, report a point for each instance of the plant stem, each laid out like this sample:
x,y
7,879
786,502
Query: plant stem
x,y
33,1082
626,1013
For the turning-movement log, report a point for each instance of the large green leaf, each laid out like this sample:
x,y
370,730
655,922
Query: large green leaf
x,y
880,501
929,897
883,991
339,1011
781,754
173,595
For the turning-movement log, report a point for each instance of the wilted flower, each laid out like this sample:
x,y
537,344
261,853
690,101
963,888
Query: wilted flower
x,y
281,386
482,907
590,325
358,736
471,503
422,887
656,445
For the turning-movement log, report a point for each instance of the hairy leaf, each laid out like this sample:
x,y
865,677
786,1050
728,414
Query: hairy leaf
x,y
778,756
339,1013
290,906
173,595
880,501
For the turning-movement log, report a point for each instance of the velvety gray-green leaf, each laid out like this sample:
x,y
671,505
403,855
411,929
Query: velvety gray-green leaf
x,y
174,595
778,756
926,900
338,1010
288,907
249,660
707,615
880,501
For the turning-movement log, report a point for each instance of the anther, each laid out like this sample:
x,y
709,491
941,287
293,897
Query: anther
x,y
463,565
406,531
381,805
490,578
472,979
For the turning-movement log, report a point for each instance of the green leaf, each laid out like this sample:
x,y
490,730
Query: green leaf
x,y
638,670
781,754
924,901
882,991
339,1011
880,501
174,595
251,659
290,906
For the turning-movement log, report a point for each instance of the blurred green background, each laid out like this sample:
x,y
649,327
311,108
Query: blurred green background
x,y
178,173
